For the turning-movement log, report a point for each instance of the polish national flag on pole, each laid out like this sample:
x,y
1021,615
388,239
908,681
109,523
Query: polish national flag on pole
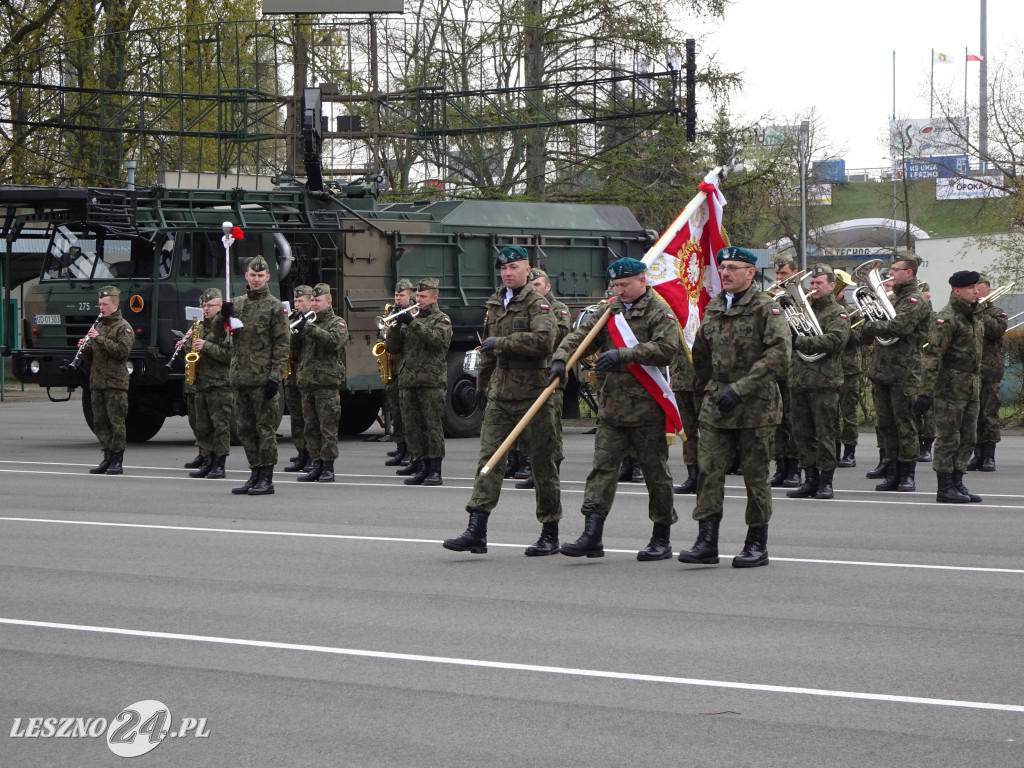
x,y
974,57
681,264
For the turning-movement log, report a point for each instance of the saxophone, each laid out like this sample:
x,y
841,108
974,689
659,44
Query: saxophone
x,y
383,356
192,358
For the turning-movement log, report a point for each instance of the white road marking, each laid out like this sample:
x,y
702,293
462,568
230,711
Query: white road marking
x,y
503,665
395,539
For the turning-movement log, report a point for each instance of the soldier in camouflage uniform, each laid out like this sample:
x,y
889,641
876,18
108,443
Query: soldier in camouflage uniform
x,y
630,418
787,462
320,374
302,297
109,343
849,390
895,374
814,387
992,364
926,422
951,383
400,456
259,353
741,351
689,402
213,391
422,342
189,393
519,331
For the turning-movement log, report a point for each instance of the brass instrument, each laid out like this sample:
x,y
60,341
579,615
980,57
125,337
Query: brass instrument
x,y
997,293
192,356
385,322
798,312
872,299
78,355
843,279
383,363
295,324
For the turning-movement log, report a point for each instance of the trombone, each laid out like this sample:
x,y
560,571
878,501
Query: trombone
x,y
997,293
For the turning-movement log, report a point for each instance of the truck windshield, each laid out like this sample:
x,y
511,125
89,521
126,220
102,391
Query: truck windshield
x,y
72,258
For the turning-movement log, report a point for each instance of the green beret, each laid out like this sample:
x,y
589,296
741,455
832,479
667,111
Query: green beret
x,y
302,290
537,272
625,268
429,284
984,278
735,253
821,269
405,284
110,290
259,264
511,253
210,294
321,289
964,278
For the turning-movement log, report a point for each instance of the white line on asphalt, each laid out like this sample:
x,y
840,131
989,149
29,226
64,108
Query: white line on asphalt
x,y
395,539
503,665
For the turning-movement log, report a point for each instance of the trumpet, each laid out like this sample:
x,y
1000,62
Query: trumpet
x,y
997,293
73,365
798,312
296,325
871,298
389,321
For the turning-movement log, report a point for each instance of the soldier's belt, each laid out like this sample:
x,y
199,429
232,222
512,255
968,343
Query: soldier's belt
x,y
517,364
729,377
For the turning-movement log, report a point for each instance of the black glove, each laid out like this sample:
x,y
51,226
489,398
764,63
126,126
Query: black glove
x,y
270,389
557,371
488,344
606,361
921,405
728,400
227,309
300,323
481,399
405,318
793,333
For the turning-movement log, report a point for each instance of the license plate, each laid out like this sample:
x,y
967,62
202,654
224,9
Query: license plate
x,y
46,319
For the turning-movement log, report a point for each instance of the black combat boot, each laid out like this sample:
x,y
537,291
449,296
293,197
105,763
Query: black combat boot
x,y
659,548
781,470
637,475
326,472
314,473
809,486
264,482
825,485
958,484
892,478
705,548
205,467
398,450
547,544
975,463
689,485
422,470
879,471
298,463
116,463
473,539
512,465
397,459
988,457
736,468
926,449
849,457
527,481
947,492
433,473
589,543
244,488
755,549
217,469
906,471
792,478
626,470
100,468
524,470
410,469
196,462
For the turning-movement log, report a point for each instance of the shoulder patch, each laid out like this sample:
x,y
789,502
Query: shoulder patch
x,y
776,311
545,306
670,316
913,300
446,319
128,330
565,312
341,323
843,315
939,321
1002,314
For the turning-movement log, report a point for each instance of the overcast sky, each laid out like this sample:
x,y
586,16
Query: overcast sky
x,y
838,58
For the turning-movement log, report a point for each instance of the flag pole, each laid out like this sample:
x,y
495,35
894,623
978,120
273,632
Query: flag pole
x,y
652,252
931,89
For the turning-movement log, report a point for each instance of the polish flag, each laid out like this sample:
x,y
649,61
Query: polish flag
x,y
974,57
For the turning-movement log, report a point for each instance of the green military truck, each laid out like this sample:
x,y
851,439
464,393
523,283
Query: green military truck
x,y
162,247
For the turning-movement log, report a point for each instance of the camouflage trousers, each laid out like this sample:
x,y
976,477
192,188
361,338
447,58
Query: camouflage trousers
x,y
190,409
391,391
500,417
718,447
109,412
293,399
896,426
957,422
814,417
785,442
422,411
213,421
256,417
553,409
650,447
988,412
689,410
926,425
321,412
849,395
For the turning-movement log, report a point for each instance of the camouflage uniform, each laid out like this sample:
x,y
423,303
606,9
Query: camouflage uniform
x,y
563,318
293,399
320,375
213,390
994,321
421,347
629,418
108,379
952,376
259,352
849,390
747,348
514,375
689,402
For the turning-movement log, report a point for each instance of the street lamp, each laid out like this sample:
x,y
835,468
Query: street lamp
x,y
805,129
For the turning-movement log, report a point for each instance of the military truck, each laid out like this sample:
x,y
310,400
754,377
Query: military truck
x,y
162,248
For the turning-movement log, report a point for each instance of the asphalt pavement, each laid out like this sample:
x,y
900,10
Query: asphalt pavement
x,y
325,625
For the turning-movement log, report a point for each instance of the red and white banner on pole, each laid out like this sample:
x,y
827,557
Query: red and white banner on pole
x,y
650,377
681,264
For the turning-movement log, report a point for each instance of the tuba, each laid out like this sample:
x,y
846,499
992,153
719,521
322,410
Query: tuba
x,y
798,312
192,357
871,298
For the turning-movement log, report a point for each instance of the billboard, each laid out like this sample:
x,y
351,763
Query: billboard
x,y
923,138
945,167
969,189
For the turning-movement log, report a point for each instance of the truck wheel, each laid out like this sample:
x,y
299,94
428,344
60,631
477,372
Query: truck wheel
x,y
359,412
461,416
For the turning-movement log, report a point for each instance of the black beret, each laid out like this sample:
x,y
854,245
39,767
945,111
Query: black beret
x,y
964,278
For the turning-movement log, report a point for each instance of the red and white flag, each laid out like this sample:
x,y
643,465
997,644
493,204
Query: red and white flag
x,y
650,377
974,57
681,266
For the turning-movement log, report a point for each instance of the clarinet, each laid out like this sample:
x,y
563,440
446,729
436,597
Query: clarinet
x,y
76,360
